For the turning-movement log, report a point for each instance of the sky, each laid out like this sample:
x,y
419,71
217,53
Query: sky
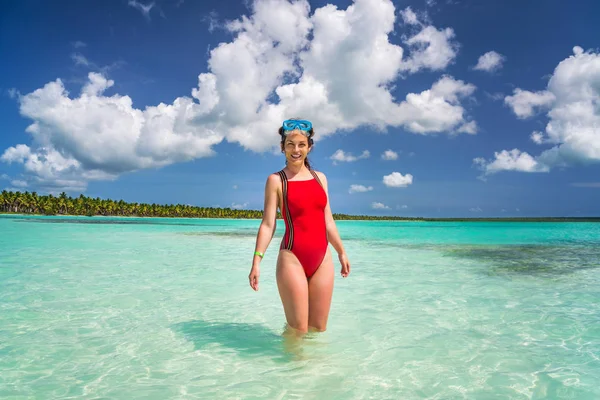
x,y
428,108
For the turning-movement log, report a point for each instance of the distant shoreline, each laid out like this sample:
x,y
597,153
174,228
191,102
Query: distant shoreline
x,y
345,218
30,203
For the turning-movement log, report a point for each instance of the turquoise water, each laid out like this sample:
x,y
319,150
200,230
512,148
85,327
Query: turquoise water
x,y
161,308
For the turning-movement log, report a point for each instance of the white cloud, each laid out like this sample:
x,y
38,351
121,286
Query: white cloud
x,y
468,127
537,137
396,179
379,206
389,155
475,209
235,187
80,59
513,160
431,48
99,137
490,61
437,109
16,154
49,170
571,97
525,103
19,183
359,189
96,86
212,19
409,16
282,61
143,8
404,206
341,156
236,206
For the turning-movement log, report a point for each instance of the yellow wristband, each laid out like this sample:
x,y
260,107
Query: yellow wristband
x,y
258,253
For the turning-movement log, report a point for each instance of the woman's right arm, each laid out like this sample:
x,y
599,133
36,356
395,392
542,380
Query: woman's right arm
x,y
267,227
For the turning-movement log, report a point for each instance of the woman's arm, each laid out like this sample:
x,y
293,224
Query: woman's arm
x,y
332,233
267,226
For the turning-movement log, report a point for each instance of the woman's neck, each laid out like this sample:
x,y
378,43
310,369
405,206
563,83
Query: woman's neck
x,y
296,169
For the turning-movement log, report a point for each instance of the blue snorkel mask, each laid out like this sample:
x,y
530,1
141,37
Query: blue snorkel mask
x,y
300,124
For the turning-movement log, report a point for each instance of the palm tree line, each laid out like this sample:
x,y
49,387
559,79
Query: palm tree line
x,y
33,203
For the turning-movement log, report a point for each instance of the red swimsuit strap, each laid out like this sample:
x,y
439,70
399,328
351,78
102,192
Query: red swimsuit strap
x,y
285,213
317,178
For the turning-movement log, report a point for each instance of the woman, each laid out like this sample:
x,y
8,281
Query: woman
x,y
304,264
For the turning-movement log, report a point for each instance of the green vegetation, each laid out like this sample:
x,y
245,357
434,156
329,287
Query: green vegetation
x,y
32,203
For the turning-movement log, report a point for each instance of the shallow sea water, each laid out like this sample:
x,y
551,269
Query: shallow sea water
x,y
132,308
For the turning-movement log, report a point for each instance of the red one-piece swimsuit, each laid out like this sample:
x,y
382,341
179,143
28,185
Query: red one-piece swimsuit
x,y
303,211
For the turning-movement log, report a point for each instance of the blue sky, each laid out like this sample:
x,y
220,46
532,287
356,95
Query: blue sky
x,y
483,108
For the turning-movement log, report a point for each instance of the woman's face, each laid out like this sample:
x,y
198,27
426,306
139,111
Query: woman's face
x,y
296,147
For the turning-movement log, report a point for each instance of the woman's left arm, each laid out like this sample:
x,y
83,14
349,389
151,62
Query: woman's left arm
x,y
333,235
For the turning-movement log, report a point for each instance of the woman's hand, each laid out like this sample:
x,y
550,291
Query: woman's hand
x,y
253,277
345,264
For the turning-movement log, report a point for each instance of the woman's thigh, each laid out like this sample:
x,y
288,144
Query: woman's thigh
x,y
320,291
293,290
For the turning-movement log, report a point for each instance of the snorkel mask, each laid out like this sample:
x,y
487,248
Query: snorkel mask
x,y
300,124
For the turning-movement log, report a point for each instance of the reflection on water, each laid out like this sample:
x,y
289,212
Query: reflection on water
x,y
248,340
539,260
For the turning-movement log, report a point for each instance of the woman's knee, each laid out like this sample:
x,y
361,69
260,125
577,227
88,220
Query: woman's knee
x,y
317,327
299,327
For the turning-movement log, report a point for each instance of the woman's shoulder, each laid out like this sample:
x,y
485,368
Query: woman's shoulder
x,y
321,175
274,178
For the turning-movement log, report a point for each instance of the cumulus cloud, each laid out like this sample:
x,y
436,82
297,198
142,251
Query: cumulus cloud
x,y
437,109
573,128
389,155
431,48
282,61
379,206
513,160
525,103
489,62
359,189
537,137
49,170
396,179
341,156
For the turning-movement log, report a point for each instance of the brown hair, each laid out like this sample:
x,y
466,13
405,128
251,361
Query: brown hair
x,y
311,133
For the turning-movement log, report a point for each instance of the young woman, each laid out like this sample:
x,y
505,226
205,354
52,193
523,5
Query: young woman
x,y
305,271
